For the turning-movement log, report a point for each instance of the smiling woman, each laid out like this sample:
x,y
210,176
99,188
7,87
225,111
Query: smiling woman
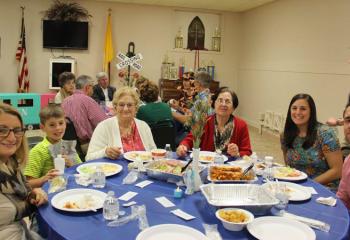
x,y
310,146
17,200
223,131
122,133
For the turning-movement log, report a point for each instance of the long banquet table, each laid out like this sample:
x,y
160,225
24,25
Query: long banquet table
x,y
57,224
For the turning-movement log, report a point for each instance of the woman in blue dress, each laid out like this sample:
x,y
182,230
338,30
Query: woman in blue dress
x,y
310,146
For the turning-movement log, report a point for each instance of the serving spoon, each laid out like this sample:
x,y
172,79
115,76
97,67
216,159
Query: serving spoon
x,y
247,170
187,164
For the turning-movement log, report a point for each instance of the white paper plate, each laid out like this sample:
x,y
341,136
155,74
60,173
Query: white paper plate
x,y
171,232
77,196
90,168
296,192
277,228
203,154
131,156
302,176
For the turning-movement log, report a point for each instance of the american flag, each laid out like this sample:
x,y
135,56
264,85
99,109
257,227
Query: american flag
x,y
21,57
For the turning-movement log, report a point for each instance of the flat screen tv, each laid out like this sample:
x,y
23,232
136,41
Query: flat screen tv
x,y
65,35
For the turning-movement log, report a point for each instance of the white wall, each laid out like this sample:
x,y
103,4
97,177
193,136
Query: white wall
x,y
151,28
293,46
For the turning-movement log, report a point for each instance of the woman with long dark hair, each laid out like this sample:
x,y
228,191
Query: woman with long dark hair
x,y
310,146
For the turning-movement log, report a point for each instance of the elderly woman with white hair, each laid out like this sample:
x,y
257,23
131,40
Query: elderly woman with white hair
x,y
122,133
103,92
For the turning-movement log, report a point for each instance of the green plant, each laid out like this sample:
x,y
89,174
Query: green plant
x,y
198,119
66,12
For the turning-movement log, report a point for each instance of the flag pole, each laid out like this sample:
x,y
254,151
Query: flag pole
x,y
109,63
108,46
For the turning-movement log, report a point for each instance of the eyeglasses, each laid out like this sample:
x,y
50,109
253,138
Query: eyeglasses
x,y
224,101
18,132
128,105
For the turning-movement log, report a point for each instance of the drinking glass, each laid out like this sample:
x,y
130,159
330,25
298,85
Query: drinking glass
x,y
282,196
268,171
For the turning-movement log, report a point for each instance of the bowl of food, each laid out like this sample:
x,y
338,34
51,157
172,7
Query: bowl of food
x,y
168,169
158,153
234,219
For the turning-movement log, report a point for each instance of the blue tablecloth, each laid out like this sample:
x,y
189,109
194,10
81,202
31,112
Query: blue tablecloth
x,y
91,225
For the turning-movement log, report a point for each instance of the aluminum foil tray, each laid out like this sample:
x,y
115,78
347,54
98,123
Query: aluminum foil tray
x,y
169,177
251,172
252,197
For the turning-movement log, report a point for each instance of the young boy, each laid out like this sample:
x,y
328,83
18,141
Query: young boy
x,y
40,166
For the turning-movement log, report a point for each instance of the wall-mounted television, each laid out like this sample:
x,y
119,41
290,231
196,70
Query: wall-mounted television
x,y
65,35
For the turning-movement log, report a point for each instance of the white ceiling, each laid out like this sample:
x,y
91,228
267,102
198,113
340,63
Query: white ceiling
x,y
222,5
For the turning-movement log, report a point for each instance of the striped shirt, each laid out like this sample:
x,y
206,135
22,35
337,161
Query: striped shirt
x,y
40,160
84,112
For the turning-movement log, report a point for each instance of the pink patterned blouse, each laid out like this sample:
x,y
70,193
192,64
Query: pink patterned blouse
x,y
133,141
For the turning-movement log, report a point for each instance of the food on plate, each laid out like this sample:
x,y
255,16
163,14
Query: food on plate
x,y
168,166
229,173
71,205
144,156
206,158
158,153
283,172
288,190
106,168
246,158
234,216
85,202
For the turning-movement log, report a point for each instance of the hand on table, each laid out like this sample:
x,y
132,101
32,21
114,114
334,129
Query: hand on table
x,y
113,152
181,150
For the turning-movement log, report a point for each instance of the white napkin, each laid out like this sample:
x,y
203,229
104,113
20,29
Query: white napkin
x,y
165,202
330,201
182,214
308,221
127,196
311,190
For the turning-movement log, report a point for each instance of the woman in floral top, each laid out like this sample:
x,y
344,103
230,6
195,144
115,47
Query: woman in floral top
x,y
310,146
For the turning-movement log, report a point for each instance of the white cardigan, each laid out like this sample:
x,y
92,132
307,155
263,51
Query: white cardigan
x,y
107,134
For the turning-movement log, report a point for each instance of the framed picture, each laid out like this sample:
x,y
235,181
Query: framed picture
x,y
173,74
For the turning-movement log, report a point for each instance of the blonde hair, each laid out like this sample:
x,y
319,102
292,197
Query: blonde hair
x,y
126,91
21,154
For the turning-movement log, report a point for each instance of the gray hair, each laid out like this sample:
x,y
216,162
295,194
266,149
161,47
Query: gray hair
x,y
82,81
204,78
101,75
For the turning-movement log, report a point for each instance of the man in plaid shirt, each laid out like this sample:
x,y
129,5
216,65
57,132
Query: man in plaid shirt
x,y
83,110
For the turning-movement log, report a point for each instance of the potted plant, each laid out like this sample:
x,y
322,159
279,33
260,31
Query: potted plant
x,y
65,11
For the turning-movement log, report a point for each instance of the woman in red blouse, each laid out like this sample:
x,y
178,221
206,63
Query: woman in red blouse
x,y
223,131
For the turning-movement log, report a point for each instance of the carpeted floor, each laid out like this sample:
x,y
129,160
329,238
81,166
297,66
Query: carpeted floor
x,y
267,144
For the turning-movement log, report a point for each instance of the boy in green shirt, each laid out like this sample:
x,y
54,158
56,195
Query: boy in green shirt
x,y
40,166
